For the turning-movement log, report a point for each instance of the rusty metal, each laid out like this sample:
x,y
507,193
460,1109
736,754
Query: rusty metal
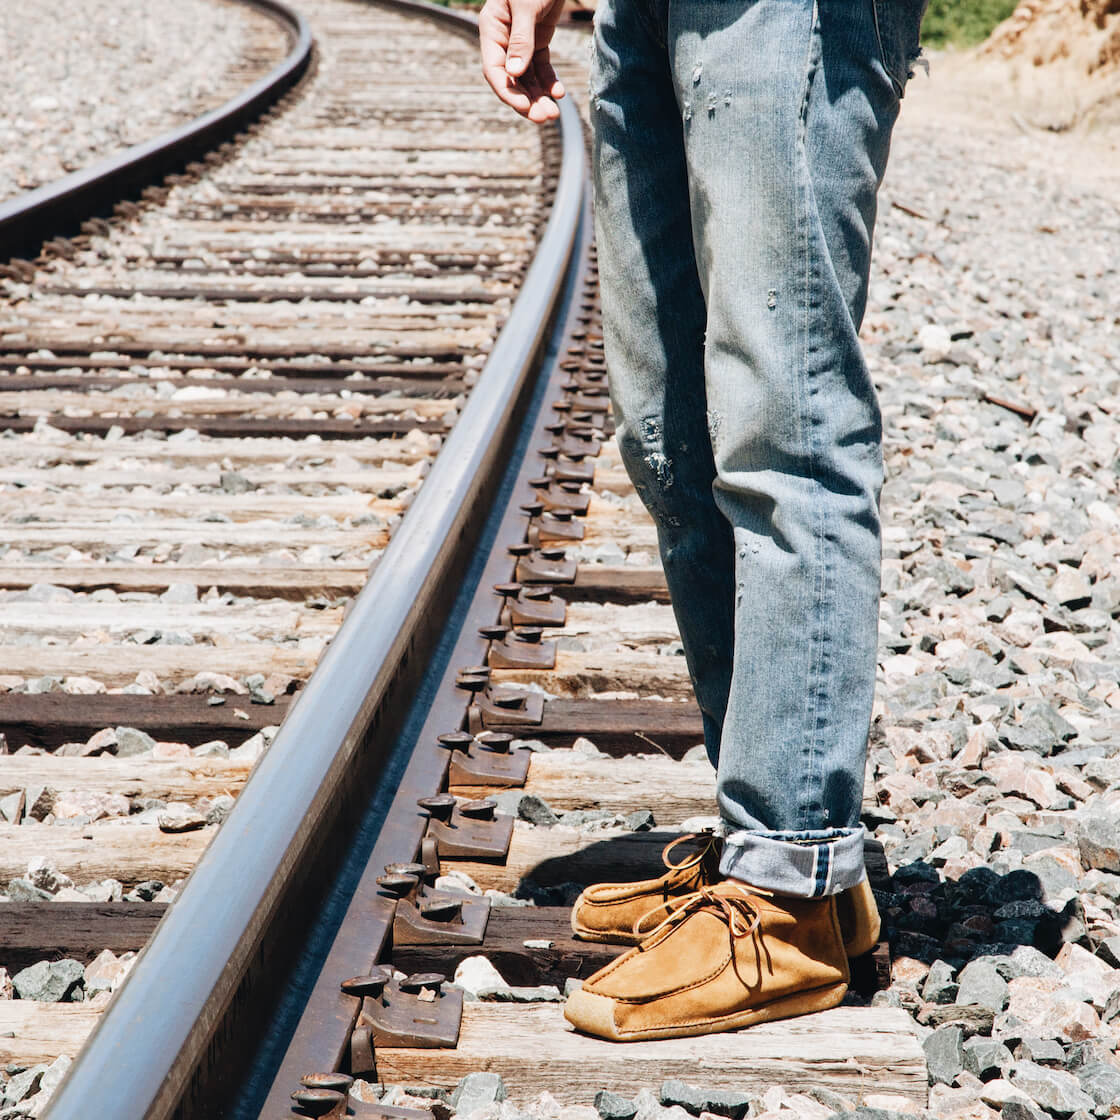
x,y
531,606
569,470
499,706
469,837
543,565
557,526
414,1011
326,1034
574,445
520,649
320,1102
441,918
554,495
339,1081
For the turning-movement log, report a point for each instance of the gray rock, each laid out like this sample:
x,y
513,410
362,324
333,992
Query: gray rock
x,y
24,1084
23,890
183,593
986,1058
1040,728
611,1106
575,818
1015,886
1028,961
1101,1080
697,1100
1018,1110
971,1018
132,741
54,1075
219,809
1055,1090
944,1054
1043,1051
477,1090
234,482
939,986
1109,951
507,801
11,807
571,984
49,981
1098,839
536,810
641,820
863,1113
982,985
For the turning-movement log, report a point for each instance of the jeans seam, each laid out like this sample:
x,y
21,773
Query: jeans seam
x,y
812,751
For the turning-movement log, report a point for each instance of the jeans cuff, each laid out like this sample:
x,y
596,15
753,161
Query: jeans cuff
x,y
804,864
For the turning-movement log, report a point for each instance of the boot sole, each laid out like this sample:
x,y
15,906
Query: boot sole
x,y
593,1014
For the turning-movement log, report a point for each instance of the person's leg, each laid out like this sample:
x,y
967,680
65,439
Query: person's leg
x,y
788,111
653,325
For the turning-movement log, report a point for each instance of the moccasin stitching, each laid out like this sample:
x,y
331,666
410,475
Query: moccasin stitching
x,y
722,967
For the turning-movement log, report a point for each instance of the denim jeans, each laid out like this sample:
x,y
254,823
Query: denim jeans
x,y
738,148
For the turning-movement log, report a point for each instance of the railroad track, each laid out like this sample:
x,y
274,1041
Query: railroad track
x,y
537,674
218,406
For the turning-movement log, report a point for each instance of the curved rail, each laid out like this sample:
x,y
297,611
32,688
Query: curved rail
x,y
207,960
58,208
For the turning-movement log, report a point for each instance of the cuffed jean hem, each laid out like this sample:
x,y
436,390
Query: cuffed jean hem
x,y
803,864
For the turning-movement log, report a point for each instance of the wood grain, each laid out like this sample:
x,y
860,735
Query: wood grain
x,y
130,853
33,1032
850,1050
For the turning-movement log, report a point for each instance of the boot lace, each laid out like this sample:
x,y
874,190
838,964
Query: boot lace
x,y
734,903
708,842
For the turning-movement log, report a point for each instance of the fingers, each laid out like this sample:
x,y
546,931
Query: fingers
x,y
522,38
526,82
546,78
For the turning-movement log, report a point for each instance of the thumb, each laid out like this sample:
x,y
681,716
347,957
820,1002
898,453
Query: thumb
x,y
522,39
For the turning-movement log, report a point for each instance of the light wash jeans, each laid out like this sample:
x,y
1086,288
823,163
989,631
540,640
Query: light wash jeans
x,y
738,149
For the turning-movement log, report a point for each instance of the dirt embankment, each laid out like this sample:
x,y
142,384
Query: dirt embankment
x,y
1064,60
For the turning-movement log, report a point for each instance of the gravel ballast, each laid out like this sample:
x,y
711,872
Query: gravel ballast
x,y
83,80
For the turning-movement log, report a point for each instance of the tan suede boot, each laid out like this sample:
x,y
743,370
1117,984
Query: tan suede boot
x,y
608,912
724,958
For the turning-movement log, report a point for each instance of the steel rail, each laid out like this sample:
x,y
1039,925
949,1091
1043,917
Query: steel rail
x,y
58,208
164,1044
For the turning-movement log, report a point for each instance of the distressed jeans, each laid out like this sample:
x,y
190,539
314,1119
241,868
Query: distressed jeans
x,y
738,148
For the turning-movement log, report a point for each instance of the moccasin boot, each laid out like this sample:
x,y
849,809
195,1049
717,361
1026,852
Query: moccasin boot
x,y
724,958
858,913
608,912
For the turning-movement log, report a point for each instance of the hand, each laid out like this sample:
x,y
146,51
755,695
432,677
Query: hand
x,y
514,36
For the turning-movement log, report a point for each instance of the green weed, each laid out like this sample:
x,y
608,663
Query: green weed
x,y
963,23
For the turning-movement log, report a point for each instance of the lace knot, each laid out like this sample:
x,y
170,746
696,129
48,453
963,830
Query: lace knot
x,y
733,902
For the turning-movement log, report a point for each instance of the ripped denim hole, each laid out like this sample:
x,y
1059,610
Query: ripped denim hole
x,y
650,428
715,419
662,467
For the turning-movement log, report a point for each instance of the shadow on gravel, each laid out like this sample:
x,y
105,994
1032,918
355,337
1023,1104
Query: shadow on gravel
x,y
982,913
